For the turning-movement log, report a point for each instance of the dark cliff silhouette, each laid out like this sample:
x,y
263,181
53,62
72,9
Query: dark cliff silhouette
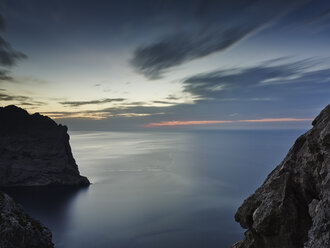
x,y
35,151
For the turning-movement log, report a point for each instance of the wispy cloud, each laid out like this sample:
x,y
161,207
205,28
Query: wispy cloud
x,y
8,97
81,103
8,55
213,27
269,81
163,102
92,115
172,97
153,60
208,122
19,99
4,75
119,111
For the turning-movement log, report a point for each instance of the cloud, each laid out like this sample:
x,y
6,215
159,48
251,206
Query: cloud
x,y
146,110
6,97
153,60
208,122
19,100
81,103
140,103
124,111
172,97
269,81
124,104
162,102
92,115
215,27
8,56
4,75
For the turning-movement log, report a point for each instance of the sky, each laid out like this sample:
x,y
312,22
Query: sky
x,y
131,65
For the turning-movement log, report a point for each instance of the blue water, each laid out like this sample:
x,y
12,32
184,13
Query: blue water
x,y
158,190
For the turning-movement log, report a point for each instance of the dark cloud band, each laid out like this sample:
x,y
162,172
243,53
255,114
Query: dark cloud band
x,y
212,30
8,56
259,82
81,103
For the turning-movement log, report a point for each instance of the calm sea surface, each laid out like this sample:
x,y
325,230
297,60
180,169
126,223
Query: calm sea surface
x,y
158,190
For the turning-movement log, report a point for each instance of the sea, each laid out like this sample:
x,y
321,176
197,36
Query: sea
x,y
158,189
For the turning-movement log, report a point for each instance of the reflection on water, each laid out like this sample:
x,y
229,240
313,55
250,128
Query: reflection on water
x,y
158,189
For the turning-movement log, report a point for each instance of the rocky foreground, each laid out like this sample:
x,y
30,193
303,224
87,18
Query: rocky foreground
x,y
18,229
292,208
35,151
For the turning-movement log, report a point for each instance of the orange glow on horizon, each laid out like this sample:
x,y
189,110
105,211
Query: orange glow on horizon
x,y
189,123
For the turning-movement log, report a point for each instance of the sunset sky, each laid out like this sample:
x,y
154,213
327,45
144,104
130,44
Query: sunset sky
x,y
123,65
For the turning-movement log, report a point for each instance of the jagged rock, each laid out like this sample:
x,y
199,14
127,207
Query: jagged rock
x,y
292,207
34,151
18,229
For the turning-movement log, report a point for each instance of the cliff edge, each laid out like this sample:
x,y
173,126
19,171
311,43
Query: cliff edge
x,y
292,207
35,151
18,229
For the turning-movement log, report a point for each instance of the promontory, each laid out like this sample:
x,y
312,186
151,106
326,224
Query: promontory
x,y
35,151
292,207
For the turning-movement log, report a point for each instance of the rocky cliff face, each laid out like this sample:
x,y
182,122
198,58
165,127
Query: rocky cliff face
x,y
34,151
19,230
292,208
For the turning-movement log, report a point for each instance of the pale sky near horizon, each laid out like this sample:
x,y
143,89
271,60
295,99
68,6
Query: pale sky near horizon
x,y
112,65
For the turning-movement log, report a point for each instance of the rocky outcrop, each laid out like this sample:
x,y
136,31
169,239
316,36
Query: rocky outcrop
x,y
35,151
292,208
18,229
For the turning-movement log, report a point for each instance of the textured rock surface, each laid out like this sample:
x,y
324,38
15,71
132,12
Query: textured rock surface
x,y
18,229
34,150
292,208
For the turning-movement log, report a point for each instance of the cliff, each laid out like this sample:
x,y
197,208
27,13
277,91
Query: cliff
x,y
19,230
292,207
35,151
